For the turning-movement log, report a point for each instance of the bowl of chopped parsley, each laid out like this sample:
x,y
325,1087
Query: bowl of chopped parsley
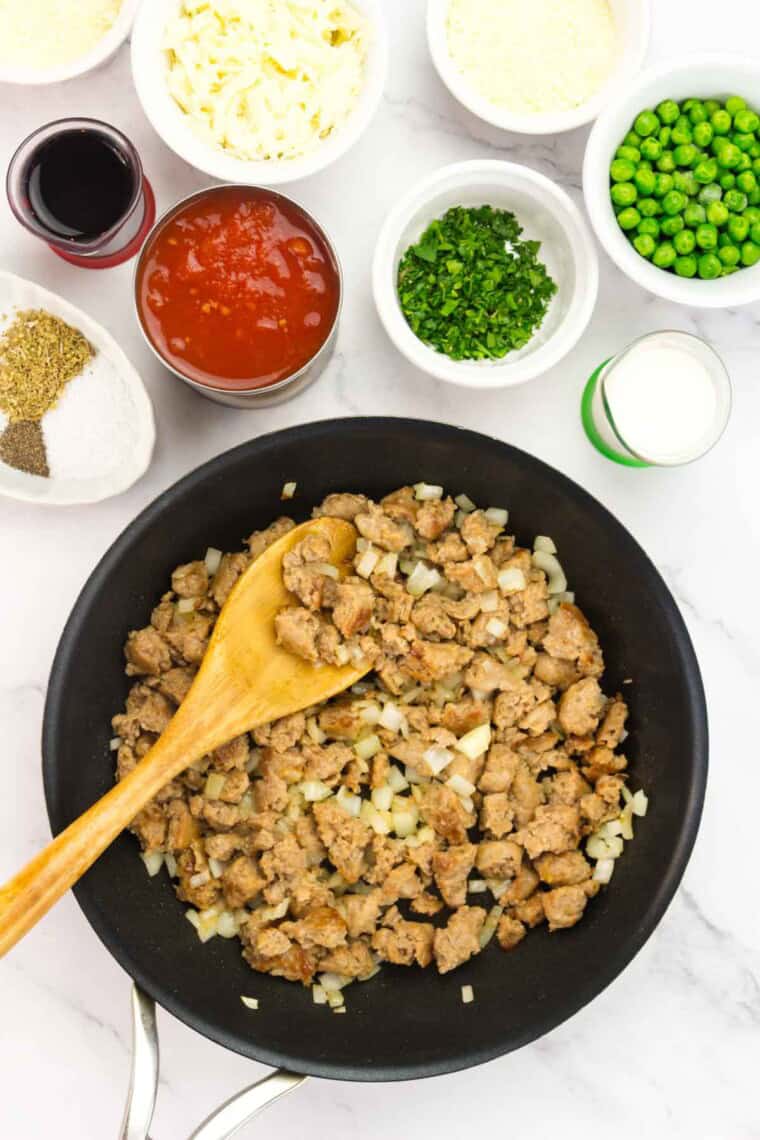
x,y
485,275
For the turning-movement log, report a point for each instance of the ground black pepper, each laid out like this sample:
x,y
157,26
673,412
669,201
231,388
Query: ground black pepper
x,y
22,446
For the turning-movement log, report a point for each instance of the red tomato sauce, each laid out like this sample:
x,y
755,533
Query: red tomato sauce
x,y
238,289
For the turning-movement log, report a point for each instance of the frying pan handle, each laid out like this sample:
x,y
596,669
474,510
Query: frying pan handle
x,y
143,1085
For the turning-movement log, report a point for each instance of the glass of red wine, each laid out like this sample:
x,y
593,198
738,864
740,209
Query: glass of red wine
x,y
78,184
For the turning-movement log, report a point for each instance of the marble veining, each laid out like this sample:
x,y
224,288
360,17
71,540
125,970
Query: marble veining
x,y
672,1048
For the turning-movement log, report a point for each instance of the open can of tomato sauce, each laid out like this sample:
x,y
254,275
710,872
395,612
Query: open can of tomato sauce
x,y
239,291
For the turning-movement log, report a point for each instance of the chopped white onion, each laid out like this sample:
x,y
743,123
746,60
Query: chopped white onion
x,y
427,492
327,569
599,847
489,926
319,995
199,879
497,628
350,803
314,791
461,786
465,504
249,1002
626,823
405,822
288,491
412,775
482,567
467,804
544,543
214,786
468,995
212,561
367,563
489,602
273,913
566,596
154,861
227,926
437,759
421,579
392,717
473,744
368,747
477,886
557,582
171,865
380,822
388,565
382,798
315,732
114,743
459,518
604,870
371,714
640,804
627,794
511,579
333,983
497,516
406,565
396,779
186,605
216,867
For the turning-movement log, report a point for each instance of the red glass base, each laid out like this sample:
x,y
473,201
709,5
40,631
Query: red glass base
x,y
111,260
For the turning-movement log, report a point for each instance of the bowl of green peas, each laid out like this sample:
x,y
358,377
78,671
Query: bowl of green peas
x,y
672,181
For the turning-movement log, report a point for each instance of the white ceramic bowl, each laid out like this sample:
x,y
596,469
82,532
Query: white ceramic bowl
x,y
149,72
100,54
546,214
633,19
704,77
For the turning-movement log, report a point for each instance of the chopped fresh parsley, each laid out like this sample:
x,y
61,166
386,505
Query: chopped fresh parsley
x,y
470,288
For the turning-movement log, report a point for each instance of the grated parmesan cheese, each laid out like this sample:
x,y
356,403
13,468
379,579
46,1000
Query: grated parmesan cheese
x,y
43,34
532,56
264,80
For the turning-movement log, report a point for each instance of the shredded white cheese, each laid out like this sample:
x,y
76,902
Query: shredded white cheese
x,y
44,34
266,79
531,56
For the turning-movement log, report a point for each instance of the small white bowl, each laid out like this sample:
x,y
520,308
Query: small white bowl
x,y
167,119
100,54
546,214
703,77
633,19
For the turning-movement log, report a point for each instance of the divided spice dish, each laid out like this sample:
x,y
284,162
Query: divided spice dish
x,y
546,214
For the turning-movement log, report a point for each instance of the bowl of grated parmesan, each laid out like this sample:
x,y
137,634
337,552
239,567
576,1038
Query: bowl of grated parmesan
x,y
258,93
541,67
48,41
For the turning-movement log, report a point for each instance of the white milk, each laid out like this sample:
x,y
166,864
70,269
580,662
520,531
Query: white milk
x,y
667,398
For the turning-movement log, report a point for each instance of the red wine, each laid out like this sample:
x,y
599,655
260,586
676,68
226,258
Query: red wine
x,y
79,185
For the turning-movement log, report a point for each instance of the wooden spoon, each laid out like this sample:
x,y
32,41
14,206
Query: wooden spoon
x,y
245,680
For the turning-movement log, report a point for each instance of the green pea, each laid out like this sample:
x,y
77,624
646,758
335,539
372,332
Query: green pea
x,y
623,194
727,181
686,266
754,232
744,142
622,170
646,124
706,171
629,219
681,133
737,228
730,255
756,166
664,136
703,134
717,213
663,184
746,121
711,106
685,242
665,255
721,122
685,154
709,267
694,215
645,164
649,226
672,226
645,181
648,207
666,163
724,239
750,254
632,139
668,112
752,214
746,181
711,193
744,163
736,201
645,245
728,156
707,236
674,202
630,153
651,149
729,269
697,112
685,181
687,105
754,150
734,104
754,196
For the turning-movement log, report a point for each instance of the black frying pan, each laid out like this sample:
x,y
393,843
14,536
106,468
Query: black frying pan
x,y
404,1023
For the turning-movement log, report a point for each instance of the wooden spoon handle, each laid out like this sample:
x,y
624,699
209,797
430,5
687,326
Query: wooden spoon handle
x,y
29,895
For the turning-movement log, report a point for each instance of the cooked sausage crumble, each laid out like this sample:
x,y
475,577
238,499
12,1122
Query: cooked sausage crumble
x,y
445,800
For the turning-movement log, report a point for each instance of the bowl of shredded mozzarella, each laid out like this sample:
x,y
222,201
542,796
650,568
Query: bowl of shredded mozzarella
x,y
256,92
537,67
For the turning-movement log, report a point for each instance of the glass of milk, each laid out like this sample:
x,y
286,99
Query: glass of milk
x,y
662,402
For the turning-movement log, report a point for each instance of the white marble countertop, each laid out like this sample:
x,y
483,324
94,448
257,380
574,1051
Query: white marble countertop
x,y
671,1049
